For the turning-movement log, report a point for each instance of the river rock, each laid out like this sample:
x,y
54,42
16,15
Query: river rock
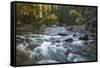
x,y
69,40
19,40
74,35
85,37
93,36
28,40
31,45
62,34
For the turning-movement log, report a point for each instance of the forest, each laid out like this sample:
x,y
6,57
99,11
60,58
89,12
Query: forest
x,y
52,33
32,17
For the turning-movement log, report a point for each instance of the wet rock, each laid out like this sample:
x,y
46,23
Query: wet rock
x,y
93,36
67,51
19,40
85,37
31,46
93,42
74,35
62,34
28,40
69,40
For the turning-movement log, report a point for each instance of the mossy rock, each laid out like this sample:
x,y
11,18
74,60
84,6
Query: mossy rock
x,y
23,59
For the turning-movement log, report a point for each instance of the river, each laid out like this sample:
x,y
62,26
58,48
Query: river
x,y
56,45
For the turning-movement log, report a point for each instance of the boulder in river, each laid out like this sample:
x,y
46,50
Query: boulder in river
x,y
28,40
69,40
62,34
85,37
74,35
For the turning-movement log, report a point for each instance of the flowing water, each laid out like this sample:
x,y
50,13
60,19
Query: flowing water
x,y
55,45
